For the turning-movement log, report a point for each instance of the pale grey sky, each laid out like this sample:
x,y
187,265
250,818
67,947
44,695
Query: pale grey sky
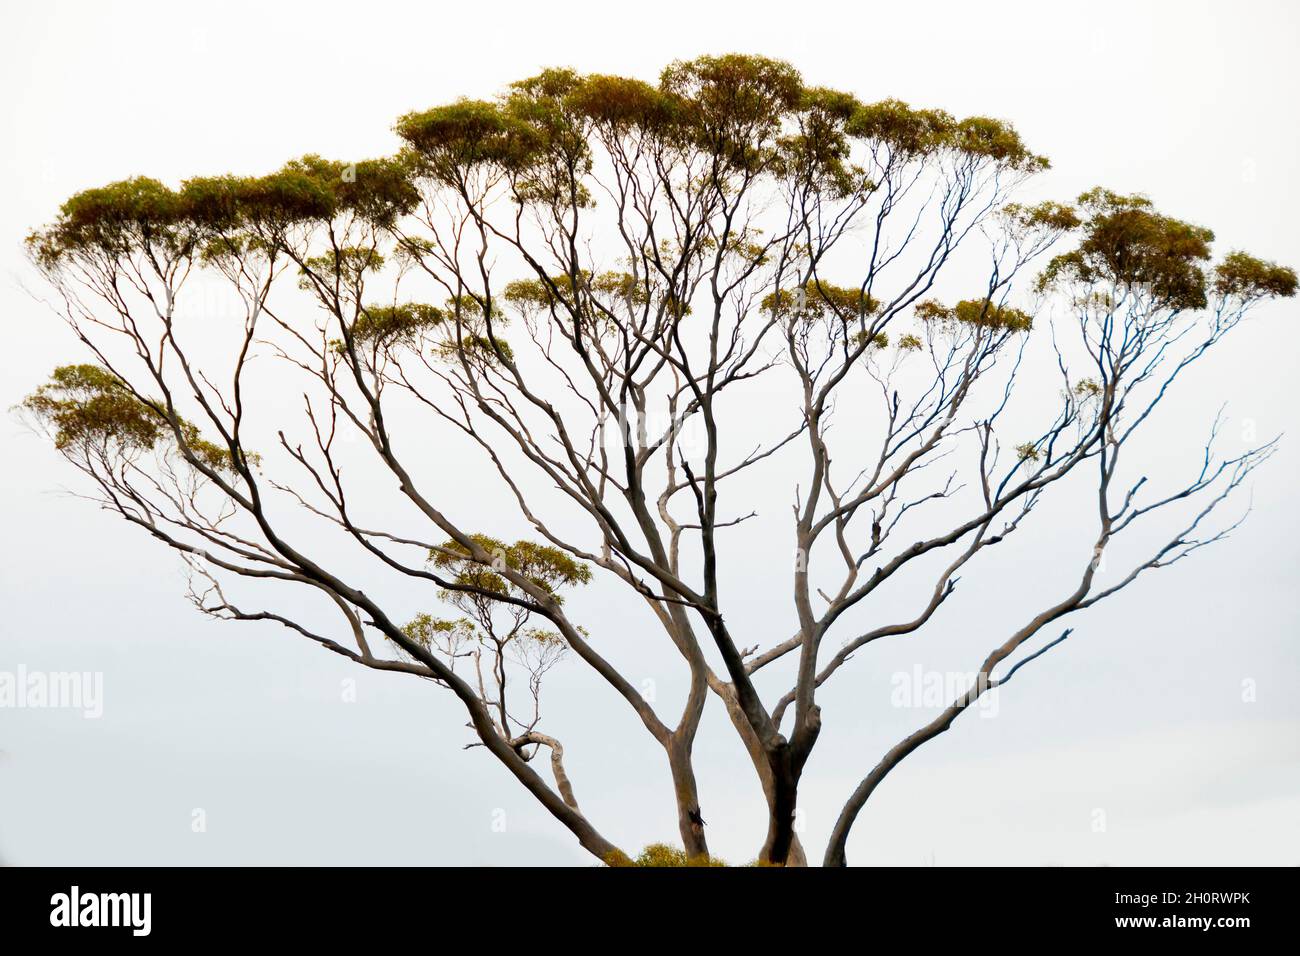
x,y
1140,715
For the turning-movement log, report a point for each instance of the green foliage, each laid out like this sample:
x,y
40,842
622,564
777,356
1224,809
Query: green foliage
x,y
551,85
470,310
666,855
597,299
376,190
1052,216
980,136
894,124
535,133
734,91
621,287
833,107
913,133
88,407
909,342
430,632
731,105
752,113
349,263
548,568
387,325
542,102
1027,451
534,647
975,312
87,403
1127,242
231,247
528,294
819,153
1087,388
216,457
661,855
540,639
469,133
553,173
113,219
1243,276
819,300
620,105
221,215
473,346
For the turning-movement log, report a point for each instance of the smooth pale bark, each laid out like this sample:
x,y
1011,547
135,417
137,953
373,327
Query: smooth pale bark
x,y
795,855
562,782
687,796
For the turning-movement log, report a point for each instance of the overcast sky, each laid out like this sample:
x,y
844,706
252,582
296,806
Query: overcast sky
x,y
1139,717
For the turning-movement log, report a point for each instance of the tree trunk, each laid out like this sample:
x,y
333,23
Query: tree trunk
x,y
794,855
781,806
690,823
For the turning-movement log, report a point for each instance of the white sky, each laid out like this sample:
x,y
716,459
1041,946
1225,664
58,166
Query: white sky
x,y
1139,715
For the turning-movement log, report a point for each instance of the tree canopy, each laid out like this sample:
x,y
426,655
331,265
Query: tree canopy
x,y
579,282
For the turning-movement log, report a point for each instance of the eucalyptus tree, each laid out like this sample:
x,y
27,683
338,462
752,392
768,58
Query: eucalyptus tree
x,y
584,279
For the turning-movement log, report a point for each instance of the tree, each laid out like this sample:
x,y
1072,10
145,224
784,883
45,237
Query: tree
x,y
580,280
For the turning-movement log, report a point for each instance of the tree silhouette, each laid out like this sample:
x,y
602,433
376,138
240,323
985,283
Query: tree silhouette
x,y
581,280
